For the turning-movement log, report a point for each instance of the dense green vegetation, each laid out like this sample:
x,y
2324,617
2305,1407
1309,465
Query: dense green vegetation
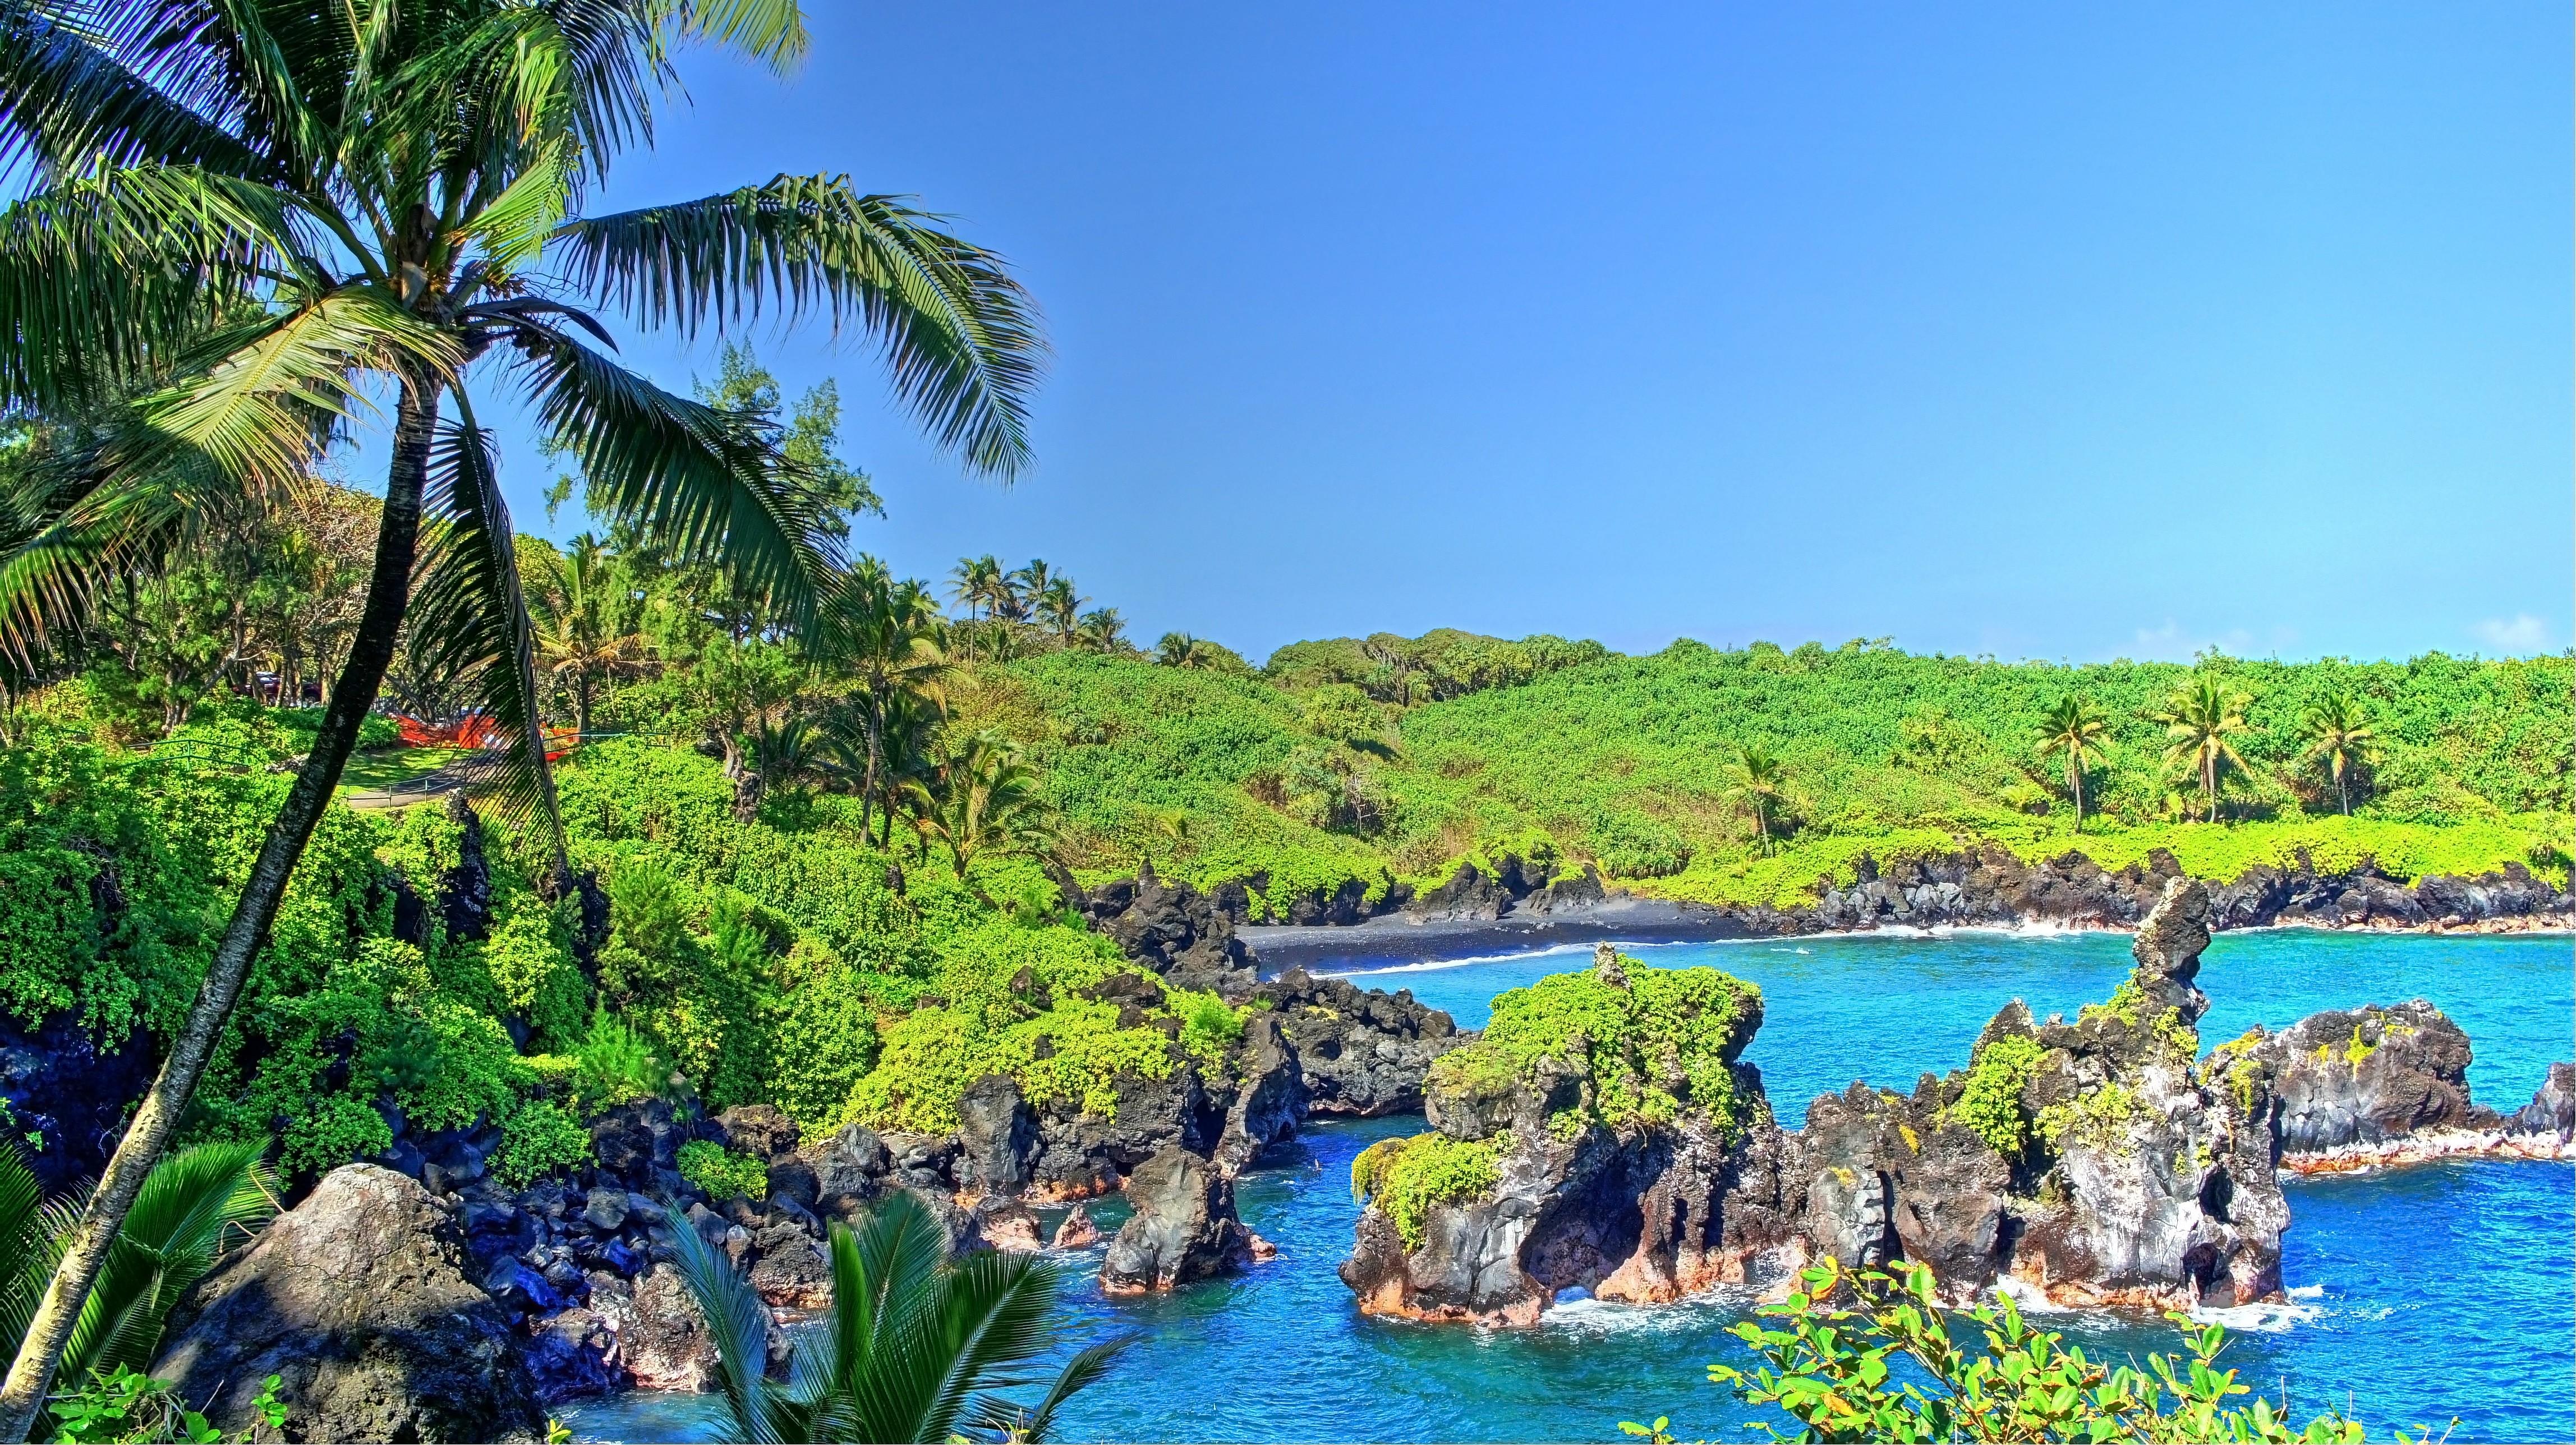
x,y
1667,770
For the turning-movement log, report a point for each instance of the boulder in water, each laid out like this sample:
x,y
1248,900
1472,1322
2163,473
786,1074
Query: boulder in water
x,y
1184,1227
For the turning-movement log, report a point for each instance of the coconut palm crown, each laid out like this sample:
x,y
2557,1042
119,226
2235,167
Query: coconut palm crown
x,y
243,223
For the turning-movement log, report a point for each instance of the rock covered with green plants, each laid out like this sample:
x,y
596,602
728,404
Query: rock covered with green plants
x,y
2095,1161
1596,1136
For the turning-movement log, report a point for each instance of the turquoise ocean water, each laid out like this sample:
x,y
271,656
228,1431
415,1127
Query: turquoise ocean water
x,y
2418,1295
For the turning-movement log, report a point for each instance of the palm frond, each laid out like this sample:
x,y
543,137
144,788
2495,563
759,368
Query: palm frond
x,y
1085,1369
768,30
263,396
107,277
189,1204
22,1241
65,102
469,617
738,1325
708,486
959,334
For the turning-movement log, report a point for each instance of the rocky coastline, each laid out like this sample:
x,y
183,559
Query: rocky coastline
x,y
1987,887
567,1288
2095,1163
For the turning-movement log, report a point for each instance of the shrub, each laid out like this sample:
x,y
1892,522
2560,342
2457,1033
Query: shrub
x,y
1407,1177
540,1139
613,1066
1698,1017
721,1172
1892,1366
1990,1102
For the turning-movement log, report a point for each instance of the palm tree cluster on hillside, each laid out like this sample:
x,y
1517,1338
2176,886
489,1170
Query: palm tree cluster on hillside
x,y
2202,724
1019,611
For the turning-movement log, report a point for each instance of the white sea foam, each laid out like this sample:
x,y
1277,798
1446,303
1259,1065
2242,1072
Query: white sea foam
x,y
1589,1316
2268,1319
1433,965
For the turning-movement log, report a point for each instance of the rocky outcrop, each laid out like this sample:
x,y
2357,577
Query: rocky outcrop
x,y
358,1300
1361,1054
2093,1162
997,1136
1270,1098
1512,886
2367,1076
1184,1227
2551,1113
1183,935
1641,1165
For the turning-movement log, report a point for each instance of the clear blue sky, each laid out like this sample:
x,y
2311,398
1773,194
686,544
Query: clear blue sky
x,y
2039,330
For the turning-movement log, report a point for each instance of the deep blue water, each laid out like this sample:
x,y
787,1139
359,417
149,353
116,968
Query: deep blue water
x,y
2420,1294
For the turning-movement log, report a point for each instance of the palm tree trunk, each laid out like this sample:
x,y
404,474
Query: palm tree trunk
x,y
2075,776
2343,790
868,786
2209,786
166,1102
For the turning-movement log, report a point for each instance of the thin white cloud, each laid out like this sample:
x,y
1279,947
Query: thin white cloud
x,y
2519,635
2170,643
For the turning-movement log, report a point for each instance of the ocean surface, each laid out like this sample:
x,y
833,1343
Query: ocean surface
x,y
2418,1295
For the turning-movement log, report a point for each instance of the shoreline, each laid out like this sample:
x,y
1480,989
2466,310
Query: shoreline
x,y
1396,939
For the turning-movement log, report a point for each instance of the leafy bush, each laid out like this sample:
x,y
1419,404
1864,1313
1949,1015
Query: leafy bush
x,y
1833,1371
1990,1101
614,1065
721,1172
1407,1177
1697,1017
540,1139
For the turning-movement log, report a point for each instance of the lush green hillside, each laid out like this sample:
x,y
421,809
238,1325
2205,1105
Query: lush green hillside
x,y
1319,767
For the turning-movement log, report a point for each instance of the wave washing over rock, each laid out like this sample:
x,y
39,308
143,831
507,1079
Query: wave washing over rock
x,y
2091,1163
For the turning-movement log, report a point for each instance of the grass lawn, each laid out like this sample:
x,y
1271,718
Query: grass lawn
x,y
379,770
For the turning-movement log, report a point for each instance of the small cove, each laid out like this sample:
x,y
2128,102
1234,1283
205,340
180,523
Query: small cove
x,y
2467,1263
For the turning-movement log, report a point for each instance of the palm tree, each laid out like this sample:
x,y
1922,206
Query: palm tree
x,y
886,636
192,1206
251,214
1761,785
1061,608
2198,725
1102,630
580,639
2339,735
2076,728
983,798
916,1346
976,582
1179,649
1023,589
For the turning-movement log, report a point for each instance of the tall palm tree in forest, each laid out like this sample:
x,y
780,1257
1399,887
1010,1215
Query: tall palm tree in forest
x,y
976,583
2339,735
1761,785
1179,649
885,635
2075,729
2200,724
1060,607
251,215
1102,630
580,635
1024,589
